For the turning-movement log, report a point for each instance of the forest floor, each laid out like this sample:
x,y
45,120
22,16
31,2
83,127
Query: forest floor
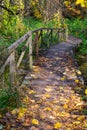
x,y
52,95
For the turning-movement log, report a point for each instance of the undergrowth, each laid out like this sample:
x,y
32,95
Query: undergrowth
x,y
78,28
9,98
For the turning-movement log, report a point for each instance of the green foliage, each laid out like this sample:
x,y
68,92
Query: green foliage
x,y
9,98
79,29
12,29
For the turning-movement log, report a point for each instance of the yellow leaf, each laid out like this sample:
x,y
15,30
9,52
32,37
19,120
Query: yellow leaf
x,y
20,115
57,125
80,118
76,81
14,111
35,122
48,109
47,95
63,78
68,129
22,110
48,89
26,99
86,91
76,122
78,72
65,106
32,92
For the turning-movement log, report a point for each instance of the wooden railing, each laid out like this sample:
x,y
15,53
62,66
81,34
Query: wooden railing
x,y
36,40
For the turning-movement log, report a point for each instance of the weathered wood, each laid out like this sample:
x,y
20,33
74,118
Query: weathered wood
x,y
30,53
37,46
66,34
12,67
20,59
22,54
26,36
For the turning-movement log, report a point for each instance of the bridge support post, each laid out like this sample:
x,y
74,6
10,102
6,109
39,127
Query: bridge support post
x,y
12,68
30,53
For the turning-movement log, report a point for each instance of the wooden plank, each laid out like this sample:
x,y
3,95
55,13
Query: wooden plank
x,y
22,54
66,34
20,59
12,67
30,53
37,46
18,42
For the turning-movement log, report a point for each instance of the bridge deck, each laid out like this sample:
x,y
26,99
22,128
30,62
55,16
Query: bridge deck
x,y
53,90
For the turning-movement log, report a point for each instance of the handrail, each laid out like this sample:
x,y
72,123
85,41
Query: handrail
x,y
24,37
34,41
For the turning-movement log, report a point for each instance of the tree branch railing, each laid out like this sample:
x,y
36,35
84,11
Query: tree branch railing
x,y
36,40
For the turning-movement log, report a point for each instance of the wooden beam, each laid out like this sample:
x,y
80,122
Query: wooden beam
x,y
30,53
12,67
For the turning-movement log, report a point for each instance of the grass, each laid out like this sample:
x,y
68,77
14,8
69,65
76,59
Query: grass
x,y
9,98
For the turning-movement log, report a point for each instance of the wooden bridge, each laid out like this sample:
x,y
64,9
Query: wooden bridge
x,y
53,86
28,45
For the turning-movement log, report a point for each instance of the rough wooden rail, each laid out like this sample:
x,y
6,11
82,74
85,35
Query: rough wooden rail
x,y
33,40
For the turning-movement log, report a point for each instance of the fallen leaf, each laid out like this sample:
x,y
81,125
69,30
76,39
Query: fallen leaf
x,y
32,92
47,95
78,72
80,118
26,99
21,113
57,125
63,78
76,81
35,122
15,111
86,91
47,109
65,106
48,89
68,129
76,122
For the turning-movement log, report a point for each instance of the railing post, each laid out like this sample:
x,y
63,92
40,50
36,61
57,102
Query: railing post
x,y
66,33
37,46
30,52
12,67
